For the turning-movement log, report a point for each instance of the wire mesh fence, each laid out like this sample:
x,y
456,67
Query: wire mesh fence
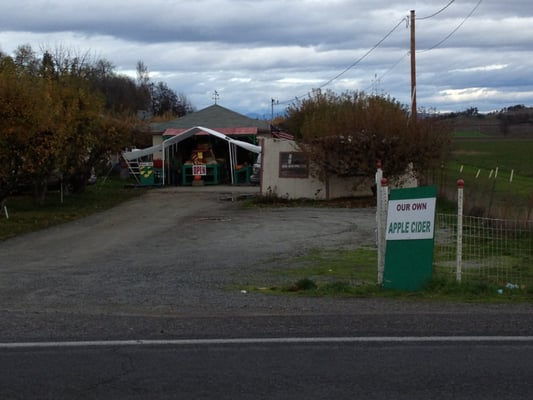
x,y
495,251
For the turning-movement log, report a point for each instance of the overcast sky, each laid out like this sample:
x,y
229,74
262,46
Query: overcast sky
x,y
253,51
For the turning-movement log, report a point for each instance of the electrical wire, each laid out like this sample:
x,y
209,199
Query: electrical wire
x,y
407,53
385,38
364,55
442,41
355,62
455,30
438,12
389,70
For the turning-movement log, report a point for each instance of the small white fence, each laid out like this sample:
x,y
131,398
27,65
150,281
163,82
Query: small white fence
x,y
473,249
485,249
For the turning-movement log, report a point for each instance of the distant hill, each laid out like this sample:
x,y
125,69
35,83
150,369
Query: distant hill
x,y
512,122
257,116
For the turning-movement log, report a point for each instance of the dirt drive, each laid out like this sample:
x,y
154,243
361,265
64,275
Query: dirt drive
x,y
174,251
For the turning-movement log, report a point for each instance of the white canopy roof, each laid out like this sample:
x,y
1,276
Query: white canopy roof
x,y
140,153
136,154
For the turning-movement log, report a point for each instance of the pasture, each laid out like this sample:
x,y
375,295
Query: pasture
x,y
498,176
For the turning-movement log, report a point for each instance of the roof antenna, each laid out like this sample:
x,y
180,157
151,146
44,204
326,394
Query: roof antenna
x,y
216,96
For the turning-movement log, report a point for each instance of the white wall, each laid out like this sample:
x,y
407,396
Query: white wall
x,y
157,140
294,188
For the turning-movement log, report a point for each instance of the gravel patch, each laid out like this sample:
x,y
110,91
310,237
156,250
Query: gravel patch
x,y
172,251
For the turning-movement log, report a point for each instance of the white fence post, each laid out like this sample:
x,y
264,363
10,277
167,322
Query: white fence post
x,y
459,250
381,216
379,176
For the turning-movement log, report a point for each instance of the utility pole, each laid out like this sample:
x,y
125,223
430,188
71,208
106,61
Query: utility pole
x,y
273,103
413,67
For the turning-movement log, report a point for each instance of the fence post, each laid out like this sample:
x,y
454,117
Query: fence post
x,y
382,226
378,177
459,251
4,208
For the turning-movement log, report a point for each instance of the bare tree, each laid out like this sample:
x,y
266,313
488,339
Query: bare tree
x,y
346,134
143,76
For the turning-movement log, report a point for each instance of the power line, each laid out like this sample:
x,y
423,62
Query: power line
x,y
438,12
442,41
386,37
422,18
455,30
390,69
364,55
355,62
371,50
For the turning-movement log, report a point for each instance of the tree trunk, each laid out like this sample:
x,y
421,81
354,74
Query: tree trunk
x,y
40,189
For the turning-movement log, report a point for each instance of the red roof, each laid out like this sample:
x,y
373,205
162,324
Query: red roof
x,y
226,131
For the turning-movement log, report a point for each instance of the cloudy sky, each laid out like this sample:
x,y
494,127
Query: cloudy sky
x,y
470,53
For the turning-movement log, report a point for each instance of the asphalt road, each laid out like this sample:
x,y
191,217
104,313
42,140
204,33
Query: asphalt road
x,y
327,369
170,266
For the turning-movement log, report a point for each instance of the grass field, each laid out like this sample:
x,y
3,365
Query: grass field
x,y
498,176
489,154
468,134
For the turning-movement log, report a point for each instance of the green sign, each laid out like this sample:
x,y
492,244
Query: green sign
x,y
146,172
410,238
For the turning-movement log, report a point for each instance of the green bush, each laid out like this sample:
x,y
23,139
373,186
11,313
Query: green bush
x,y
303,284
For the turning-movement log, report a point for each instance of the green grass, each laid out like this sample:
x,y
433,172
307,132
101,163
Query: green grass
x,y
353,273
356,266
489,154
25,216
481,177
468,134
498,176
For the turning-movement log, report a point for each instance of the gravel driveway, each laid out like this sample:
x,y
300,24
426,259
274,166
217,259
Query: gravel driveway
x,y
173,251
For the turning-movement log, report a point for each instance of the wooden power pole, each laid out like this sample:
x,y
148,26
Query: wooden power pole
x,y
413,67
